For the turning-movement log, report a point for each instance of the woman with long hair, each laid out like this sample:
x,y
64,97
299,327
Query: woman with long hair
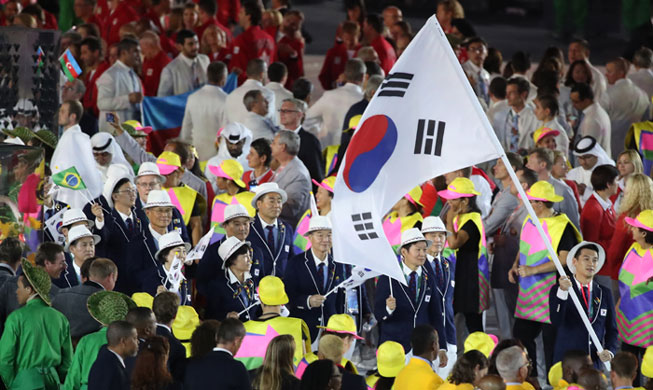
x,y
204,338
638,196
150,370
467,371
578,72
628,162
278,370
321,375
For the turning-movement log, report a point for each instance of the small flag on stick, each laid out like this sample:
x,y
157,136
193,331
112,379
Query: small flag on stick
x,y
69,65
69,178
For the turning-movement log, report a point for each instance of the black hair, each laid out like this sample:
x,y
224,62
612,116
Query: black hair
x,y
493,61
516,161
119,184
241,251
522,84
117,331
85,269
474,39
602,176
375,21
230,329
126,44
550,102
302,88
464,27
277,71
182,35
648,237
93,43
584,91
253,9
498,87
422,338
11,250
317,375
373,69
262,147
520,62
546,81
529,175
569,79
208,6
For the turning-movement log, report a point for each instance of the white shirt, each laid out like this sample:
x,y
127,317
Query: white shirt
x,y
280,94
113,89
325,118
532,90
203,117
235,108
260,126
596,122
154,233
643,78
265,224
216,349
178,76
475,73
582,176
527,124
605,204
125,216
483,201
496,114
407,272
599,86
319,261
627,104
233,279
562,295
78,269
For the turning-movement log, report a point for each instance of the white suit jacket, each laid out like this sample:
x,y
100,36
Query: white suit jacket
x,y
203,117
113,89
260,126
235,108
627,104
177,76
643,78
596,123
325,118
280,94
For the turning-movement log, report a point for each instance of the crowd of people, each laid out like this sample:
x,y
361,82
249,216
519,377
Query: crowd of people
x,y
207,263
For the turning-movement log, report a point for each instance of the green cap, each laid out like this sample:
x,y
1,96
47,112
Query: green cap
x,y
39,279
47,137
109,306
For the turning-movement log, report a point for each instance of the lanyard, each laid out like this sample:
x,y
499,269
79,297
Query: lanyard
x,y
587,299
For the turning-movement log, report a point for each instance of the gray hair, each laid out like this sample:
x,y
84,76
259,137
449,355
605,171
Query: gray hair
x,y
250,98
355,70
373,84
299,104
291,140
509,361
79,86
643,58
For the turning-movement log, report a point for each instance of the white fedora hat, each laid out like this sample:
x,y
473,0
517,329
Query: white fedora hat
x,y
72,216
158,198
235,211
433,224
110,185
413,235
575,249
318,222
229,247
266,188
170,240
149,168
78,232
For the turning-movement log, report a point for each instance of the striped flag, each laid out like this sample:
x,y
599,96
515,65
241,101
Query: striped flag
x,y
69,65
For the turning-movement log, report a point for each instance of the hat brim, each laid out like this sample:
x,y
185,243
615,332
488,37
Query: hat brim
x,y
233,250
357,337
28,271
555,199
574,250
634,222
161,177
234,217
435,230
318,228
412,240
282,300
46,142
317,183
96,239
145,207
219,172
186,245
166,169
89,225
448,194
284,196
145,129
93,301
554,133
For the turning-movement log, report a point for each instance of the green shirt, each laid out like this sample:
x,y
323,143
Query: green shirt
x,y
85,355
36,338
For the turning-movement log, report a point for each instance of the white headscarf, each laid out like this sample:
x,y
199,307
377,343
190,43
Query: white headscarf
x,y
588,145
104,142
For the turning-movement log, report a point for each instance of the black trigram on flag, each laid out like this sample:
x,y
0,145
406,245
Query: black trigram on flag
x,y
364,226
426,140
396,84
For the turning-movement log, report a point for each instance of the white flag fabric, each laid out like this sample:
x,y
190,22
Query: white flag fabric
x,y
53,223
174,275
358,276
423,121
197,252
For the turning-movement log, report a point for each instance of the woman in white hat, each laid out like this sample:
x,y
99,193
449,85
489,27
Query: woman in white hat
x,y
235,292
169,276
399,308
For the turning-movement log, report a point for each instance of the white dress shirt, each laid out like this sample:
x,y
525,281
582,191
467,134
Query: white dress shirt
x,y
280,94
113,89
596,122
643,78
527,124
325,118
478,74
183,74
204,115
235,108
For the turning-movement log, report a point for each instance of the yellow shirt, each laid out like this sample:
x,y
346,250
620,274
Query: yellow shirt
x,y
519,386
451,386
417,375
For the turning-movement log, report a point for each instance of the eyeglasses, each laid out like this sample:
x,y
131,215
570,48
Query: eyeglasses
x,y
151,185
161,211
282,111
129,191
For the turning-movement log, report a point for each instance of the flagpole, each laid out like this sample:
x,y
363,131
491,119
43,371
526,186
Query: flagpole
x,y
513,176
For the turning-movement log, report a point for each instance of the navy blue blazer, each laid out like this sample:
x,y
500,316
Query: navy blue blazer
x,y
408,314
571,333
222,298
216,370
176,224
445,294
273,262
68,277
210,266
115,237
138,269
107,373
301,282
177,355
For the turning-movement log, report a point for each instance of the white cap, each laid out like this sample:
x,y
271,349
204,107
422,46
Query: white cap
x,y
266,188
78,232
150,168
235,211
72,216
234,132
110,184
574,250
433,224
170,240
229,247
413,235
318,222
158,198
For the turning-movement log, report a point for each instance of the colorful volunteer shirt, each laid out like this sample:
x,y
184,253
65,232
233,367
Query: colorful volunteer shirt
x,y
635,309
220,203
394,225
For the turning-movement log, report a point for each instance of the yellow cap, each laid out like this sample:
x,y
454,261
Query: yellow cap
x,y
143,299
544,192
168,162
390,359
555,374
271,291
229,169
481,342
460,187
184,325
647,362
643,220
543,132
327,183
414,196
341,323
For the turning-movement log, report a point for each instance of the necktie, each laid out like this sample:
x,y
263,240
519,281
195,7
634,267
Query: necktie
x,y
438,273
482,88
270,237
320,276
412,286
130,225
514,132
196,74
587,298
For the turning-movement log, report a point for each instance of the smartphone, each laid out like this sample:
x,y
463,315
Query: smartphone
x,y
111,118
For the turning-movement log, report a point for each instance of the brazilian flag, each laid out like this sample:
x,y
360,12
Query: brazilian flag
x,y
69,178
